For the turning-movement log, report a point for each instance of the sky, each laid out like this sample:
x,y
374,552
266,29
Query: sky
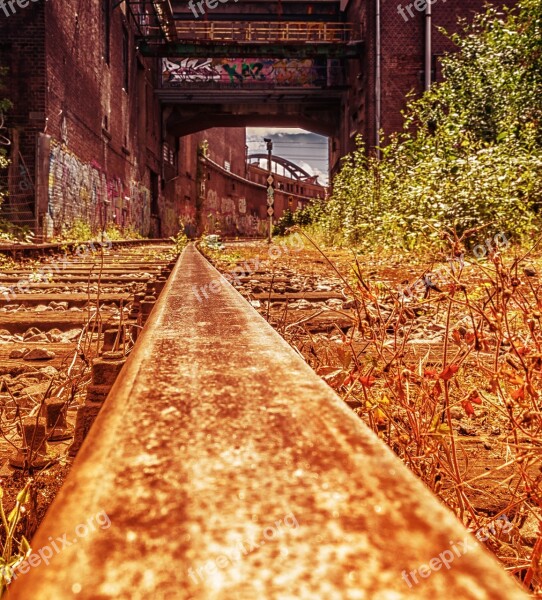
x,y
307,150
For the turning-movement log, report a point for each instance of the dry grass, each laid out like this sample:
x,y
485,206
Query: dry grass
x,y
450,378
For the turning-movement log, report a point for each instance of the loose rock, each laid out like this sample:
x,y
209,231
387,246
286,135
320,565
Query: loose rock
x,y
42,308
30,332
40,337
49,371
39,354
58,305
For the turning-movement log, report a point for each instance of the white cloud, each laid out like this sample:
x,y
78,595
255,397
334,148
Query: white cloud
x,y
306,149
266,131
306,167
322,177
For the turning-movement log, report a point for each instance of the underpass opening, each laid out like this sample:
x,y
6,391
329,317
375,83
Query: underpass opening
x,y
233,193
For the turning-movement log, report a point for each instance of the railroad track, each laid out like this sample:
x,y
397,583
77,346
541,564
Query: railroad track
x,y
221,466
63,311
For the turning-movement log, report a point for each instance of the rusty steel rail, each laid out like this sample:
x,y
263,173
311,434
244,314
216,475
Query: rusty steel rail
x,y
49,248
222,467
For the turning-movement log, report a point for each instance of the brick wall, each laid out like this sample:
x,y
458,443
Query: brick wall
x,y
403,51
22,53
104,121
182,180
233,205
88,114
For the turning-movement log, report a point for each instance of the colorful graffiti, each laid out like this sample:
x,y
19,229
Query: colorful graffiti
x,y
79,191
188,70
242,72
229,217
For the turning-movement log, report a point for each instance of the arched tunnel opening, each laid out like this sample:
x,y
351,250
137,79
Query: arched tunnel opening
x,y
222,177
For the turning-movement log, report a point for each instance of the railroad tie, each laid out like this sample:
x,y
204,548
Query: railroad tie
x,y
222,467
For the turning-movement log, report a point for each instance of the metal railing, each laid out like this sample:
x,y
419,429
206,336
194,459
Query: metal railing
x,y
153,19
292,32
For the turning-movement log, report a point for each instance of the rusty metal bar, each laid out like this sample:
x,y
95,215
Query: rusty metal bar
x,y
254,31
151,16
221,466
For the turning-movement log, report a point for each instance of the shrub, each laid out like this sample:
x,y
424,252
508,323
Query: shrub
x,y
470,152
304,216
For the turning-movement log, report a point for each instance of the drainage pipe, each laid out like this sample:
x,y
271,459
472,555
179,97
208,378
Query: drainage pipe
x,y
378,79
428,45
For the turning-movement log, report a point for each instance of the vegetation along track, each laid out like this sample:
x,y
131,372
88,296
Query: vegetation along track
x,y
441,359
69,315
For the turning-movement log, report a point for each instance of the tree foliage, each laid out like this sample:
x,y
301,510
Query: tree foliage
x,y
303,216
470,151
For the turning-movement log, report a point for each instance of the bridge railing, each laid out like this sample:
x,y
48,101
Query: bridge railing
x,y
255,31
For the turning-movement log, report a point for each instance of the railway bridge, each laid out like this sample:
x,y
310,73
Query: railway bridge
x,y
249,63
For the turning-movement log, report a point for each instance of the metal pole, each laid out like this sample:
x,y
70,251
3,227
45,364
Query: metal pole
x,y
378,79
270,190
428,47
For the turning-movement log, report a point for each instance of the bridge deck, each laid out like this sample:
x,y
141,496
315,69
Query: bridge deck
x,y
264,31
227,469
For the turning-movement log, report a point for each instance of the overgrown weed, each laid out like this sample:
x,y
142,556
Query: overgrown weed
x,y
443,370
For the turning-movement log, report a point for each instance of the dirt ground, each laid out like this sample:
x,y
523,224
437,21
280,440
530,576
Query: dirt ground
x,y
340,311
440,355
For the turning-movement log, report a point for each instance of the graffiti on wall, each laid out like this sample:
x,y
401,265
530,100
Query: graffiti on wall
x,y
226,216
81,191
244,71
189,70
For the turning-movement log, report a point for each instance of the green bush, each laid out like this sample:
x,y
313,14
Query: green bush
x,y
10,232
181,240
115,232
82,231
304,216
79,230
470,152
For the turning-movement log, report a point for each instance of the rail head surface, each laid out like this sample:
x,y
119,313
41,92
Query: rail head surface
x,y
221,466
